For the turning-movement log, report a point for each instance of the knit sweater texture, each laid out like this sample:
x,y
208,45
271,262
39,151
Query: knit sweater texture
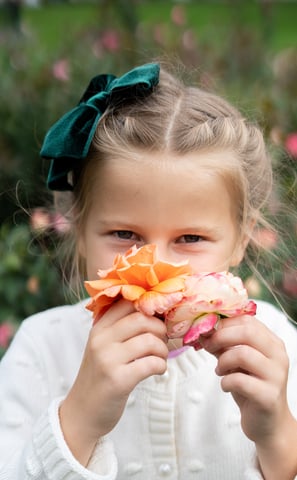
x,y
178,426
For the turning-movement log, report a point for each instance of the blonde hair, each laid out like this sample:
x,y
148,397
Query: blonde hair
x,y
180,119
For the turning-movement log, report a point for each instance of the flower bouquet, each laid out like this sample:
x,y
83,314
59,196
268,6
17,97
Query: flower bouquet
x,y
190,304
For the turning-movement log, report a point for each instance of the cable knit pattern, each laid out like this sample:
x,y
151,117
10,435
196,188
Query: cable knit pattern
x,y
178,426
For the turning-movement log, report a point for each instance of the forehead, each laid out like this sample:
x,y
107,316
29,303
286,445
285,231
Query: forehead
x,y
153,183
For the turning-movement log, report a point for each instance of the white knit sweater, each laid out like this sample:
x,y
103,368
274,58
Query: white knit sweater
x,y
178,426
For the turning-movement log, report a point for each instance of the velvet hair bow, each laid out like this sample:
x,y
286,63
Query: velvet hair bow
x,y
68,141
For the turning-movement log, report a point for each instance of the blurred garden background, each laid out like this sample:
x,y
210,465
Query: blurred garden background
x,y
244,50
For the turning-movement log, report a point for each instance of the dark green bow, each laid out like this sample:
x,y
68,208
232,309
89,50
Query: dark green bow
x,y
69,139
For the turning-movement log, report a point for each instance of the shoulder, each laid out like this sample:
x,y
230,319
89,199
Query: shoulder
x,y
58,328
273,317
65,315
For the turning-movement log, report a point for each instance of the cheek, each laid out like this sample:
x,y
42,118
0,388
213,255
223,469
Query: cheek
x,y
88,252
208,263
97,256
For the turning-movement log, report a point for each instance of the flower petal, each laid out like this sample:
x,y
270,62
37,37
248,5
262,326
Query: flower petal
x,y
135,274
170,285
202,325
166,270
132,292
145,254
152,302
95,286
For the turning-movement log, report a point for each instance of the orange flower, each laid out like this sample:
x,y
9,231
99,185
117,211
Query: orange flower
x,y
152,285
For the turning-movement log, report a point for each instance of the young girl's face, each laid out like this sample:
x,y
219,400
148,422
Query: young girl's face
x,y
173,202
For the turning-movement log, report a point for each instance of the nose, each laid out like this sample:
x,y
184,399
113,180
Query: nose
x,y
164,252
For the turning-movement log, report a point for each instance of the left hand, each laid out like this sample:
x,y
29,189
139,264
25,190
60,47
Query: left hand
x,y
253,364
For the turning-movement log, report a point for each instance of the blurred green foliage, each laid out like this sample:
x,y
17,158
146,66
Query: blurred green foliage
x,y
248,54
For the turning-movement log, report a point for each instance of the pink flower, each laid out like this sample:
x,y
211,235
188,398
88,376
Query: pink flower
x,y
40,220
6,334
265,238
60,70
110,40
60,223
291,144
178,15
290,281
190,304
207,297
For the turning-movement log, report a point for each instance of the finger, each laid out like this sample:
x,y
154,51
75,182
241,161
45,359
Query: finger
x,y
242,386
118,310
240,331
128,322
145,367
143,346
245,359
136,324
246,386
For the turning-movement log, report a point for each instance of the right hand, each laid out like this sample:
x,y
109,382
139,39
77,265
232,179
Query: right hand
x,y
123,348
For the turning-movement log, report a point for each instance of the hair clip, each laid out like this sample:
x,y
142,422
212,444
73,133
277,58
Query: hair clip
x,y
68,141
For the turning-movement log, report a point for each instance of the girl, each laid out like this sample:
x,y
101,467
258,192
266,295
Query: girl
x,y
149,160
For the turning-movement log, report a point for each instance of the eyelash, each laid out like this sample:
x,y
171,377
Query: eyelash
x,y
198,238
129,235
124,234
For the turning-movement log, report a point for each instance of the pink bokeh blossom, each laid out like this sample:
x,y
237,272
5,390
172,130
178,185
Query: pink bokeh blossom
x,y
291,144
290,281
40,219
60,223
60,70
265,238
178,15
110,40
6,334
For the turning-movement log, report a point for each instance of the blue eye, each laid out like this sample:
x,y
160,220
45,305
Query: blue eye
x,y
124,234
190,238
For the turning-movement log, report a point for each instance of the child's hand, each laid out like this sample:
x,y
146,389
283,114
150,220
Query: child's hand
x,y
253,364
124,348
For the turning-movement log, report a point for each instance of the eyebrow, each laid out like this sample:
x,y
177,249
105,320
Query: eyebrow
x,y
131,226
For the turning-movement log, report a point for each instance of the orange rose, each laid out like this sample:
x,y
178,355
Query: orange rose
x,y
153,286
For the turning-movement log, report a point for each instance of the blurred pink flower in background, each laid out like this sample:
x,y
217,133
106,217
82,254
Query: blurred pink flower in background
x,y
60,70
291,144
290,281
110,40
178,15
40,219
6,333
265,238
60,223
